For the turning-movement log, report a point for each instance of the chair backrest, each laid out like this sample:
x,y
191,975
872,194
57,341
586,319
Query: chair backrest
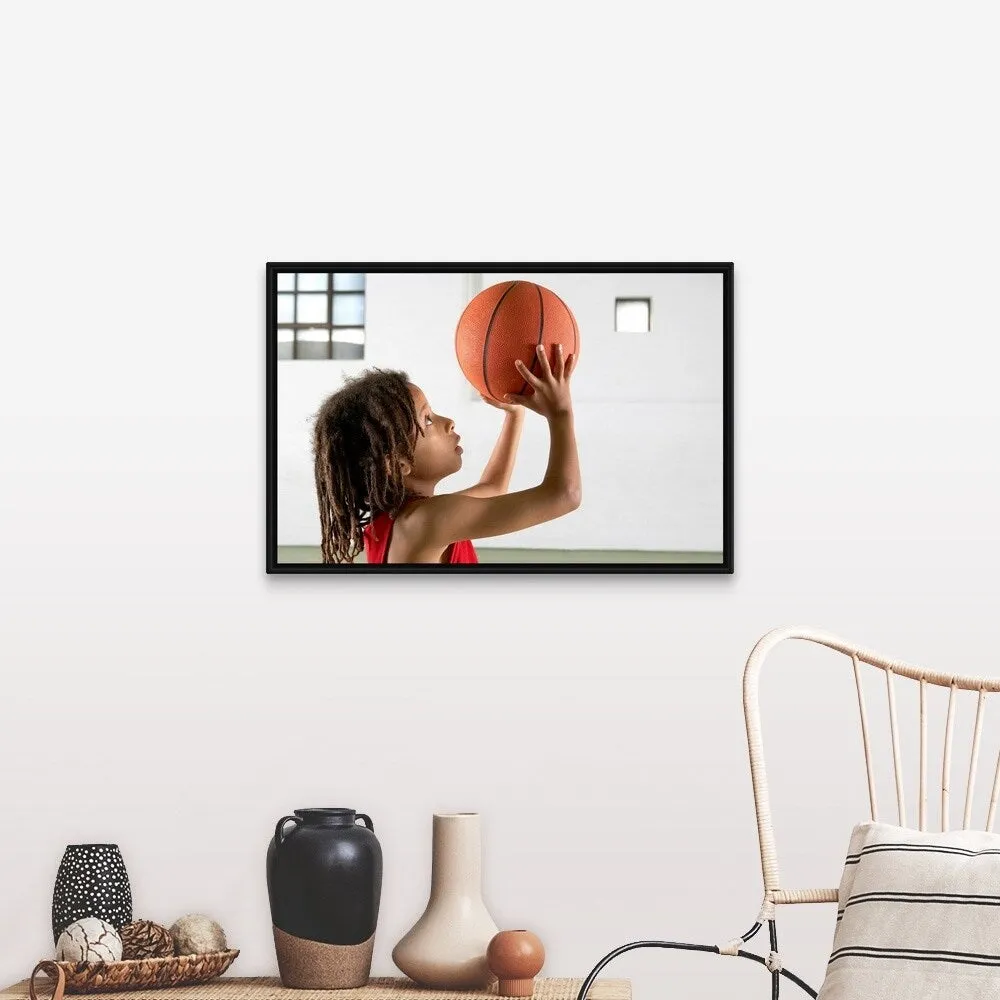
x,y
859,658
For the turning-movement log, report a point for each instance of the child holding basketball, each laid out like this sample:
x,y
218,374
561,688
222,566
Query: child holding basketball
x,y
381,451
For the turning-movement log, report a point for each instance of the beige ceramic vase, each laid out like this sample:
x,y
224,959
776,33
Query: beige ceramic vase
x,y
446,948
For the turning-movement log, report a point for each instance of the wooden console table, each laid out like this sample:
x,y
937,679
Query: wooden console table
x,y
381,988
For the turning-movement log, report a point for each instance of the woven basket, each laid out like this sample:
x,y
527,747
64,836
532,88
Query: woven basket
x,y
133,974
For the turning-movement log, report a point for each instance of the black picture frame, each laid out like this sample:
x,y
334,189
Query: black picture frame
x,y
273,566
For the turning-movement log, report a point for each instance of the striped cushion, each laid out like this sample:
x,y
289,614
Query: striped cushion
x,y
918,917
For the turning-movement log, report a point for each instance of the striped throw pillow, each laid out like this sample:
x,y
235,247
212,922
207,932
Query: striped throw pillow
x,y
918,917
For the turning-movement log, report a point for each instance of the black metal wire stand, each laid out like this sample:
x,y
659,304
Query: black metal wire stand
x,y
776,974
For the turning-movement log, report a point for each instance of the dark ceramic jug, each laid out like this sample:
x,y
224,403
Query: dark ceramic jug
x,y
324,883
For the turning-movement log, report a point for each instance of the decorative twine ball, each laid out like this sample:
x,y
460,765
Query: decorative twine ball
x,y
89,940
144,939
196,934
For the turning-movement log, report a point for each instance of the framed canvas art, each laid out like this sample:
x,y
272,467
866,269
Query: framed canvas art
x,y
477,418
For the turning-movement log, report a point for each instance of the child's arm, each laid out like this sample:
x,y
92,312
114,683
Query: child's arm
x,y
450,517
496,476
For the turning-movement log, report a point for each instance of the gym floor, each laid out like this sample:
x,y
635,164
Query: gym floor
x,y
311,554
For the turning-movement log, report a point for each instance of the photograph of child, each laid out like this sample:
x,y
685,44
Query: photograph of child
x,y
382,453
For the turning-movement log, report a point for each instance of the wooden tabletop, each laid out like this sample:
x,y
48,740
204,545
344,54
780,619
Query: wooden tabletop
x,y
382,988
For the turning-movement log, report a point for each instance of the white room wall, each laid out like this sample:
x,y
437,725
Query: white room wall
x,y
648,407
160,691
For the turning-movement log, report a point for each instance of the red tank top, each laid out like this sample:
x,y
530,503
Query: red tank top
x,y
378,535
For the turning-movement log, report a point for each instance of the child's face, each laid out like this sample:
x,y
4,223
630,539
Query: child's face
x,y
437,452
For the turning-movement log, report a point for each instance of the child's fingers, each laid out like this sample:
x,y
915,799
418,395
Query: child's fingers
x,y
559,367
533,380
544,362
516,400
569,366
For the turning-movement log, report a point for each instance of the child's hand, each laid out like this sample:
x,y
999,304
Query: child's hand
x,y
551,396
508,407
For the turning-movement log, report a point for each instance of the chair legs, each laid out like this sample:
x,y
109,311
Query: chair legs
x,y
772,963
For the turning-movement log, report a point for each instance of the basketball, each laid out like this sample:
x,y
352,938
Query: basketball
x,y
507,322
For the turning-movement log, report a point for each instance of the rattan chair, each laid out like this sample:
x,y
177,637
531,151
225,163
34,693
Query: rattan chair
x,y
775,892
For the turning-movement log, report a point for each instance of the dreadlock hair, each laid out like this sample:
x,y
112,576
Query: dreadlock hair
x,y
362,434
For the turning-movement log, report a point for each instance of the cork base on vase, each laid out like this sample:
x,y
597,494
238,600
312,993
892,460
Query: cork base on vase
x,y
315,965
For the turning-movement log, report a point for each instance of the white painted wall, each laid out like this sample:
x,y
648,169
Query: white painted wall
x,y
648,407
595,721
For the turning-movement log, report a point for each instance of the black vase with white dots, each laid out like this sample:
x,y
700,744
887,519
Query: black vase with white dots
x,y
91,882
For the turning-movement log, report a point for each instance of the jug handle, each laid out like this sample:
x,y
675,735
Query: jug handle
x,y
279,830
367,820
